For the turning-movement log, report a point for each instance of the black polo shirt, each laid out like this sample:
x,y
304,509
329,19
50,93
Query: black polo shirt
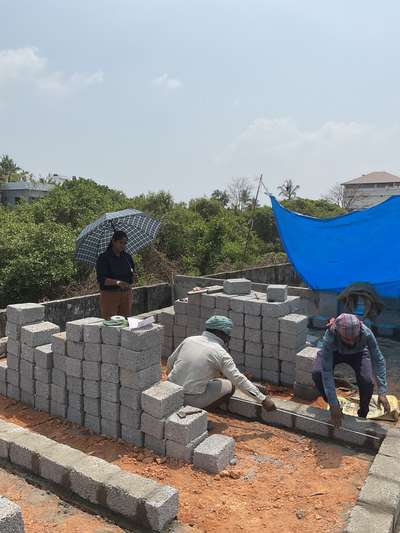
x,y
111,266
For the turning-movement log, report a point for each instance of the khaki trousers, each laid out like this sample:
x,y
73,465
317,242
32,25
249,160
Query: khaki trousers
x,y
216,389
115,303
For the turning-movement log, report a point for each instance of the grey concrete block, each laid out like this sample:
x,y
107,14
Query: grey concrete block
x,y
56,462
109,354
131,398
222,302
13,331
208,300
28,398
92,351
58,409
270,337
181,320
43,389
152,443
270,324
111,335
13,392
13,347
3,345
13,377
270,363
277,293
73,367
26,449
312,426
253,373
161,507
152,426
74,385
252,322
286,380
214,453
110,410
296,342
110,373
305,392
252,307
8,433
305,359
162,399
109,391
304,378
294,324
91,406
110,428
275,309
141,339
253,348
59,361
167,317
136,361
91,388
141,380
270,350
236,345
184,452
281,418
11,520
42,403
74,328
43,356
287,354
27,353
133,436
42,374
130,417
288,368
89,477
238,318
13,362
92,422
75,401
58,377
91,370
26,313
194,323
294,304
237,303
38,334
185,430
386,467
3,371
382,494
180,331
59,343
369,520
237,286
391,444
271,376
252,335
253,362
27,385
75,415
194,297
26,369
180,306
92,332
75,350
238,332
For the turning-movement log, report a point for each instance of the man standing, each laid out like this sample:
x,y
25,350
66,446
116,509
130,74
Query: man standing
x,y
348,340
198,363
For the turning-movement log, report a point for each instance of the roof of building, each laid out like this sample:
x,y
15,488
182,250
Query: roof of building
x,y
25,186
374,177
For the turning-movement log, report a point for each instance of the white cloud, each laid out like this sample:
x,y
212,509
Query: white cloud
x,y
26,66
313,158
167,82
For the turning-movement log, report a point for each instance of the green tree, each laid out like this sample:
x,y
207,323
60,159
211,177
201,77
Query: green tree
x,y
288,190
221,196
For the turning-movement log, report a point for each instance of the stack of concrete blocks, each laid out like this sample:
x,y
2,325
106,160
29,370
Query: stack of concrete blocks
x,y
304,386
158,403
184,431
167,319
180,328
58,385
292,338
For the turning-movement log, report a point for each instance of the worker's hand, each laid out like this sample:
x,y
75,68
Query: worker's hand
x,y
268,404
384,402
336,415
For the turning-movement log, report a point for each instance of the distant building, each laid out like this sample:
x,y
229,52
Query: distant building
x,y
13,192
370,189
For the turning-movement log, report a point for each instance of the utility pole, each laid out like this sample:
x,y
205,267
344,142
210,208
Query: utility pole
x,y
251,222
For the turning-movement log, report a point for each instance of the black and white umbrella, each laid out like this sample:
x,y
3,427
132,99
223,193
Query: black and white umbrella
x,y
94,239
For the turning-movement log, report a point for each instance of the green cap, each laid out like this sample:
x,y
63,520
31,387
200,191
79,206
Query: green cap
x,y
220,323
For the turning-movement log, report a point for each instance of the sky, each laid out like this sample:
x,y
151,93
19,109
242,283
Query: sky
x,y
186,95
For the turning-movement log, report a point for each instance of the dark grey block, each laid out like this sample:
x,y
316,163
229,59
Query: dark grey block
x,y
75,350
91,370
133,436
92,352
58,377
129,417
74,385
157,445
75,416
110,428
109,391
42,374
110,373
131,398
110,410
152,426
91,388
109,354
91,406
92,422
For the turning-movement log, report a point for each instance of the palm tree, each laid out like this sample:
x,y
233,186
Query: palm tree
x,y
288,189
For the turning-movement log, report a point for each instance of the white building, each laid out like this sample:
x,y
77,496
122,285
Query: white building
x,y
370,189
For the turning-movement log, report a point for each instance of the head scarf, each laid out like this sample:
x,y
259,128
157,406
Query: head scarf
x,y
348,326
220,323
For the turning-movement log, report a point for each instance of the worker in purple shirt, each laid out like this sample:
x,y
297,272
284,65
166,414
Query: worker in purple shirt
x,y
348,340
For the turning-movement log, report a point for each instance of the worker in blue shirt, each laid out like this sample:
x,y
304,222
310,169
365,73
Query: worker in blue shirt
x,y
348,340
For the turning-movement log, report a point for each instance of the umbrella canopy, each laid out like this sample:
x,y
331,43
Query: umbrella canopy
x,y
94,239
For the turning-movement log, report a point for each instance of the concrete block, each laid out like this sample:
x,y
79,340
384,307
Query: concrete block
x,y
91,370
58,409
252,335
109,391
208,300
236,345
59,343
287,354
13,331
141,380
26,449
252,322
304,378
253,373
270,324
110,373
92,351
74,385
110,410
162,399
193,310
270,337
168,342
180,306
152,443
270,350
196,323
181,320
74,328
13,377
252,361
26,369
391,444
43,356
275,309
75,401
214,453
13,347
91,406
281,418
3,371
252,307
194,297
58,377
59,361
133,436
271,364
26,313
3,345
43,389
136,361
305,359
286,380
11,520
110,428
75,350
92,422
88,478
27,353
277,293
152,426
27,384
238,318
13,362
271,376
42,403
129,417
141,339
73,367
288,368
294,324
75,415
28,398
382,494
253,348
238,286
161,507
295,342
369,520
312,426
8,433
109,354
167,317
221,312
294,304
386,467
130,398
184,452
91,388
185,430
180,331
56,462
42,374
92,332
13,392
111,335
38,334
222,301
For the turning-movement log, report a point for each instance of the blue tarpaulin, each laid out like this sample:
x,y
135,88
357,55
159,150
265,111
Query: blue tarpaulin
x,y
330,254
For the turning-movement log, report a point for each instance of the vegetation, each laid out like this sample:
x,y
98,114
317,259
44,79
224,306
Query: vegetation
x,y
37,241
